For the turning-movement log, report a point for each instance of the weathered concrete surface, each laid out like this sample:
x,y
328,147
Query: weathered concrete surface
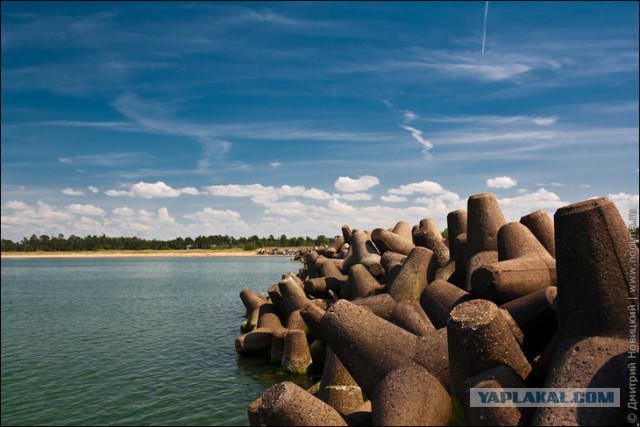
x,y
541,225
594,264
410,395
286,404
500,377
416,272
480,338
439,298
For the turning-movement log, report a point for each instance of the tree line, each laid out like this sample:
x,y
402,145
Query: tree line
x,y
97,243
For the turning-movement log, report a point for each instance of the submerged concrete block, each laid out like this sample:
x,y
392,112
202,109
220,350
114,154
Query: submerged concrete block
x,y
255,342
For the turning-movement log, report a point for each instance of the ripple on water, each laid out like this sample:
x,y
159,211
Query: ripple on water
x,y
130,341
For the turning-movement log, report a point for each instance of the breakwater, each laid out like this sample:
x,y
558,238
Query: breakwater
x,y
403,323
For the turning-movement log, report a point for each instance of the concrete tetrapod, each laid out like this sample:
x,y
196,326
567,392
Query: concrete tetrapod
x,y
251,300
367,345
410,396
541,225
337,386
480,338
362,283
429,236
535,315
371,347
416,272
594,276
500,377
439,298
410,316
403,228
296,356
386,240
524,266
456,225
363,251
286,404
484,219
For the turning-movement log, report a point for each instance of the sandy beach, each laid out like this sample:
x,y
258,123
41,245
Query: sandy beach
x,y
192,253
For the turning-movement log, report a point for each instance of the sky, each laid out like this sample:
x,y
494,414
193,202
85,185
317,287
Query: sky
x,y
176,119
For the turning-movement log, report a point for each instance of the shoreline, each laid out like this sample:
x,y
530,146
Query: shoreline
x,y
135,254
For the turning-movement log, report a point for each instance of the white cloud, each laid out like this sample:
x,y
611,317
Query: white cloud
x,y
424,187
350,185
355,196
516,207
147,190
501,182
85,210
625,203
163,215
545,121
189,190
16,205
275,165
417,135
71,192
393,199
93,189
125,211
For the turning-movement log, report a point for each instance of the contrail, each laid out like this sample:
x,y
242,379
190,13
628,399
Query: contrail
x,y
484,31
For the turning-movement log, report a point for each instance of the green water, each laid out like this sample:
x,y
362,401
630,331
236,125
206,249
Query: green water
x,y
139,341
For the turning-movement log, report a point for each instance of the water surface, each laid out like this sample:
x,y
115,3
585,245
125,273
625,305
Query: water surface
x,y
148,341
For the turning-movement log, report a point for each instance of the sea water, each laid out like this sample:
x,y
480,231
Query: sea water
x,y
122,341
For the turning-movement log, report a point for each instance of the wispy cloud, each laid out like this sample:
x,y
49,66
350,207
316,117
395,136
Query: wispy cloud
x,y
417,135
106,159
72,192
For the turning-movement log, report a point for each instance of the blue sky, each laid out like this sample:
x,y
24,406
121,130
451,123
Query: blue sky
x,y
166,119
